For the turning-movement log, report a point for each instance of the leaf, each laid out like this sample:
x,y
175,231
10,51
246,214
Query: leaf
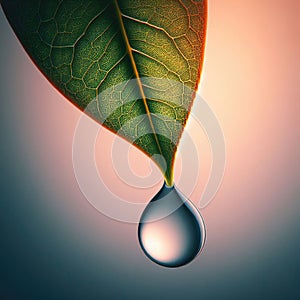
x,y
88,49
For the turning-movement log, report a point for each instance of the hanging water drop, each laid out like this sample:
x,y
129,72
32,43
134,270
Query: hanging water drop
x,y
171,230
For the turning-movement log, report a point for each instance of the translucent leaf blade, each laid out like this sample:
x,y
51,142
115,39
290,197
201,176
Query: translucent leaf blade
x,y
87,49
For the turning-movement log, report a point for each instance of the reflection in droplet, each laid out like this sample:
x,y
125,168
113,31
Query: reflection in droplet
x,y
171,230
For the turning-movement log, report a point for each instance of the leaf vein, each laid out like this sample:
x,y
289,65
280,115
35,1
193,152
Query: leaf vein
x,y
160,29
129,50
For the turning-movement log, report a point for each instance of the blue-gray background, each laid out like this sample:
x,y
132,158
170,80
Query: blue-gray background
x,y
59,247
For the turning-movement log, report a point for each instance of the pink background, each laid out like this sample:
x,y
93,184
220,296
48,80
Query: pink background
x,y
251,81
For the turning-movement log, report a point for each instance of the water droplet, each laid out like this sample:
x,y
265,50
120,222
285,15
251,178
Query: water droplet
x,y
171,230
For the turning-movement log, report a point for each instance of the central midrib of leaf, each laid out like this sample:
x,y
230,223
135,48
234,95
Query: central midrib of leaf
x,y
137,76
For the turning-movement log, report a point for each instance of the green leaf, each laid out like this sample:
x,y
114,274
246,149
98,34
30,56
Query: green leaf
x,y
90,50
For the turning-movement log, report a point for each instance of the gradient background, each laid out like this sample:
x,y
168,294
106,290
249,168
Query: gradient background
x,y
55,245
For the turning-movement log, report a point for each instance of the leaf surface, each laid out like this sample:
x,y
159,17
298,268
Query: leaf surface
x,y
132,65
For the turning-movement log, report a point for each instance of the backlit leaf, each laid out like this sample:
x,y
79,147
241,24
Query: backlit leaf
x,y
132,65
